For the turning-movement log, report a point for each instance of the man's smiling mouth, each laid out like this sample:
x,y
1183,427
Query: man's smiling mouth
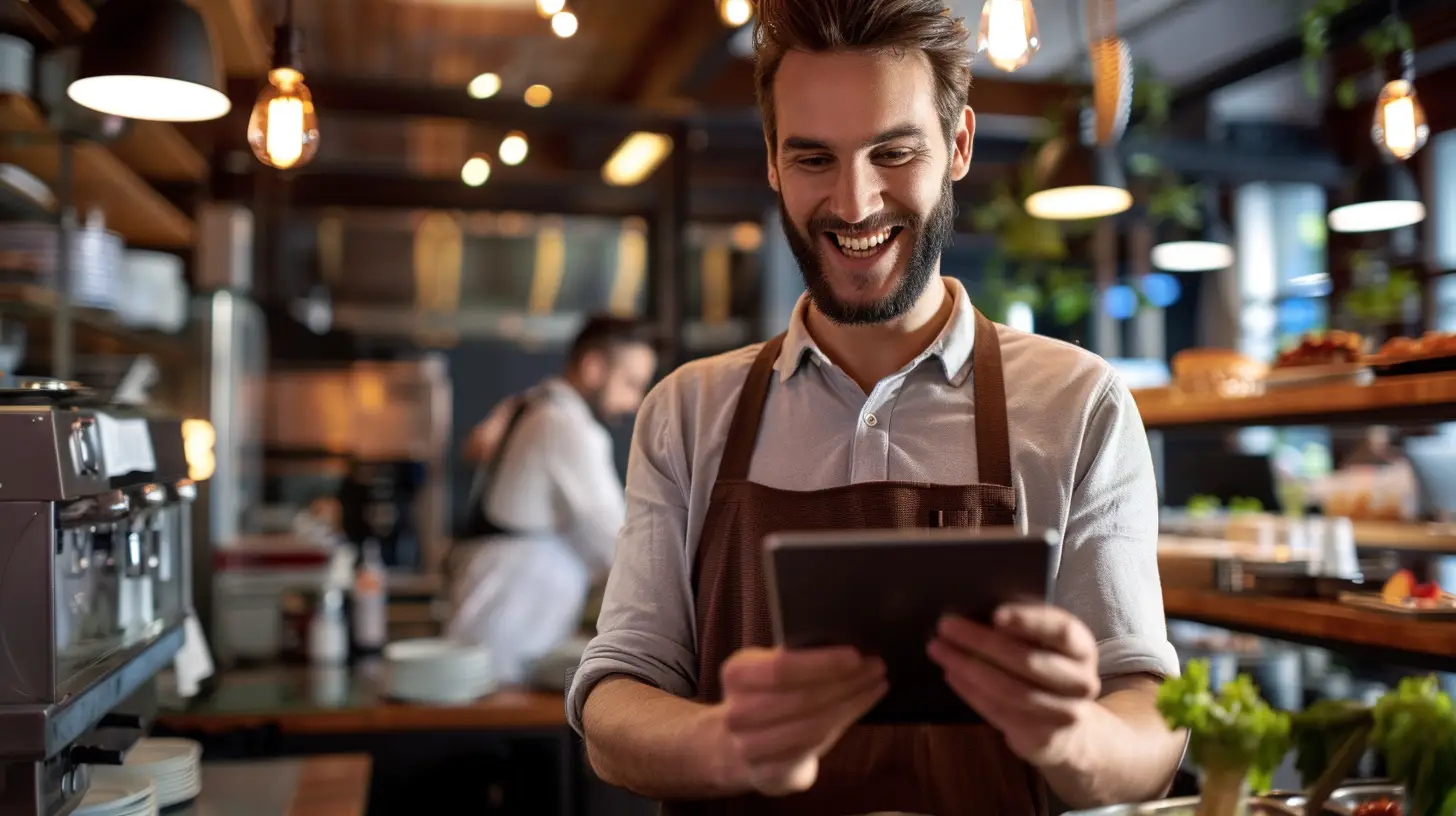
x,y
864,244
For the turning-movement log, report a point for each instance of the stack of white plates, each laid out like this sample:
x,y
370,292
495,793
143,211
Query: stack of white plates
x,y
438,671
173,765
119,794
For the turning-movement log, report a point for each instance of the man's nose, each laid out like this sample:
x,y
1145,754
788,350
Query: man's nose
x,y
856,193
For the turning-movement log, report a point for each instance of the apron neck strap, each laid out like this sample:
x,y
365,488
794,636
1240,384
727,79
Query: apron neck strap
x,y
993,439
993,435
743,433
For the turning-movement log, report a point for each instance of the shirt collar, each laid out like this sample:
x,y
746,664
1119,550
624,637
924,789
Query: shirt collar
x,y
952,347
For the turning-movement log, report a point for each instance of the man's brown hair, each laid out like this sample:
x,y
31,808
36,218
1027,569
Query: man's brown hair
x,y
898,27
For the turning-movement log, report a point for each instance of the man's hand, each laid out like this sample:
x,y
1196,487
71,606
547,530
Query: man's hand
x,y
1033,676
783,710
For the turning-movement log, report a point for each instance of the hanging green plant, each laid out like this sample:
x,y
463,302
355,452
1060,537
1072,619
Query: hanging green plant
x,y
1383,300
1392,36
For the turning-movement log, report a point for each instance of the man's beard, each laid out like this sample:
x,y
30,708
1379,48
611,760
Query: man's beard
x,y
929,233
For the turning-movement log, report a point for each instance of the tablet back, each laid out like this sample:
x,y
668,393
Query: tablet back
x,y
883,592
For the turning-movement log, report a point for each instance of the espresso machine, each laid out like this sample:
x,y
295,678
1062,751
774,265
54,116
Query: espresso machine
x,y
95,585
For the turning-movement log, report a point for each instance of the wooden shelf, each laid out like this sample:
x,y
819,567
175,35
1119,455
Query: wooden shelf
x,y
1423,397
132,207
1309,620
96,331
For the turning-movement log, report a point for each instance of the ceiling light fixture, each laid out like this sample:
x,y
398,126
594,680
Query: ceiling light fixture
x,y
735,13
283,127
1008,34
1084,183
549,8
1387,199
1194,251
635,158
1400,129
476,171
564,24
150,59
484,86
514,148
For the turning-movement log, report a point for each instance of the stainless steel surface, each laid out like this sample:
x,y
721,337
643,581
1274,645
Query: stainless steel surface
x,y
94,593
1353,796
1187,806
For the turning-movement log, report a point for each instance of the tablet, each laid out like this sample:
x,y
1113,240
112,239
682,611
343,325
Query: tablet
x,y
883,592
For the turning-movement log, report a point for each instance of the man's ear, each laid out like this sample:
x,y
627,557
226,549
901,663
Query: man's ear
x,y
961,143
773,170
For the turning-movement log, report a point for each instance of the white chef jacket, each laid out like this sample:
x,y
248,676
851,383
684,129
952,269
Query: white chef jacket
x,y
557,490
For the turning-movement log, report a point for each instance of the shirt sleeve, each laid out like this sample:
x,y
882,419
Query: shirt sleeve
x,y
1109,564
586,490
645,629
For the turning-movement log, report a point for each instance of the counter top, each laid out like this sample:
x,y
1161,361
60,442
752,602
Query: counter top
x,y
1319,620
336,785
312,700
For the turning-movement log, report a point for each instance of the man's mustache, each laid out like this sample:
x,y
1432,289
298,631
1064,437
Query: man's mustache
x,y
874,223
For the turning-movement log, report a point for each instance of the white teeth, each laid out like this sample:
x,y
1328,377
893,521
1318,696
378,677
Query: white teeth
x,y
863,243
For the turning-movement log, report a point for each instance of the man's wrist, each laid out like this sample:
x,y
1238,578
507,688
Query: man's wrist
x,y
1075,755
714,745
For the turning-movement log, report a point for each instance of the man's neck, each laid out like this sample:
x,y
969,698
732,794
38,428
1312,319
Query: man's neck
x,y
871,353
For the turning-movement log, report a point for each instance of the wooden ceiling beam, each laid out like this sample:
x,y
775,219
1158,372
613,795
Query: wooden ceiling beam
x,y
235,26
684,34
734,88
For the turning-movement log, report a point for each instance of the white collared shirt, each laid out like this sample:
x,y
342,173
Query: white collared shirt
x,y
1079,455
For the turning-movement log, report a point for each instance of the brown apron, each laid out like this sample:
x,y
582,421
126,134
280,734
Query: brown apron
x,y
938,770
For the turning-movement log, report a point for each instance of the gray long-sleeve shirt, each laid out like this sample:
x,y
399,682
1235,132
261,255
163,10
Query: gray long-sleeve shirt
x,y
1078,450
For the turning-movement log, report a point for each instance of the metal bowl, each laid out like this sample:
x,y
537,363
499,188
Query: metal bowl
x,y
1188,806
1350,797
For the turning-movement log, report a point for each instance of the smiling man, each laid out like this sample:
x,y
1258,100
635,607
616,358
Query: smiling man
x,y
889,402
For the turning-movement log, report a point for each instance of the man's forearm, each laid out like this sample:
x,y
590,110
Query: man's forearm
x,y
1125,752
656,744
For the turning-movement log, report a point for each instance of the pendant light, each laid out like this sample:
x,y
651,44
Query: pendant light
x,y
150,59
283,128
1085,182
1400,129
1008,35
1387,198
1210,250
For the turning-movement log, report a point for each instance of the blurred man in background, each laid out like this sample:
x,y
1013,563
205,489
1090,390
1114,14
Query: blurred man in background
x,y
547,501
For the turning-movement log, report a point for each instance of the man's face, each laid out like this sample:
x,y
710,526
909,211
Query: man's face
x,y
616,380
863,172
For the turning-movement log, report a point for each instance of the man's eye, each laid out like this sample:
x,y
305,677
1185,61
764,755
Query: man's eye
x,y
814,161
898,155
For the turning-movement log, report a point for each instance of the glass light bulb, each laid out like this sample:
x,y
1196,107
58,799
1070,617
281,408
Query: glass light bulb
x,y
548,8
538,96
1400,128
283,128
735,13
564,24
476,171
514,147
1077,203
1008,34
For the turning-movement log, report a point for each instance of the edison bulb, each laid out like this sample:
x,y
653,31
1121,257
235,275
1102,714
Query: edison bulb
x,y
283,128
735,13
564,24
549,8
1008,35
1400,128
513,148
476,171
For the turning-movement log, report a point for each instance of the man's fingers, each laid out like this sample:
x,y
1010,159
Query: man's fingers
x,y
748,710
1049,626
773,669
1050,670
995,688
788,740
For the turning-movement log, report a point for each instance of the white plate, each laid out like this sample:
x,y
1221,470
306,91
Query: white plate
x,y
119,795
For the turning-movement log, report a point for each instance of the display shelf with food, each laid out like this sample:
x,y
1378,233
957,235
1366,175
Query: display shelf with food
x,y
1403,595
1432,352
1417,398
1328,358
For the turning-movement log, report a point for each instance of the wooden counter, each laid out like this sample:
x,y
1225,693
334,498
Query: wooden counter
x,y
1321,621
1418,396
344,701
334,785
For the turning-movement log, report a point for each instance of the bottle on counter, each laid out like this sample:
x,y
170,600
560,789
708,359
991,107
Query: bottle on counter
x,y
328,635
371,601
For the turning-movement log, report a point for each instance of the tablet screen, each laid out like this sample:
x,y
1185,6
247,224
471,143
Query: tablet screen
x,y
884,591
